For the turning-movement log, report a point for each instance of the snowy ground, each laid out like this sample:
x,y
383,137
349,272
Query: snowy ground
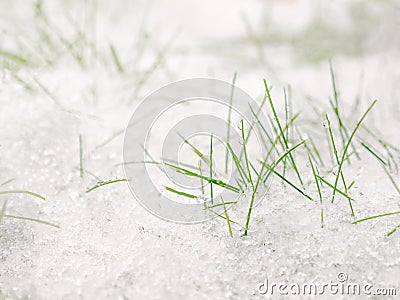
x,y
59,81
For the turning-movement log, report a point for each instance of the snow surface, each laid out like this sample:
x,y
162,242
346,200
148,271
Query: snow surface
x,y
108,246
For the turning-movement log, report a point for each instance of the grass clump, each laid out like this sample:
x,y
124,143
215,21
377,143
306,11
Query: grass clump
x,y
285,139
103,183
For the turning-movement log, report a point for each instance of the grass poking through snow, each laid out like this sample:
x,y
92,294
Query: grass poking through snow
x,y
229,120
36,195
250,174
318,185
80,156
281,132
3,213
103,183
345,152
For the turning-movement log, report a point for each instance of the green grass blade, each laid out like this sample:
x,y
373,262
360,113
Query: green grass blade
x,y
286,122
392,180
23,192
342,129
32,220
346,149
278,136
221,216
7,182
152,159
115,57
259,178
377,216
335,152
316,178
380,140
202,184
229,122
209,180
239,167
383,164
281,132
374,153
245,155
290,183
180,193
227,218
393,231
138,162
80,156
14,57
318,188
211,169
305,145
108,140
282,157
256,115
195,150
103,183
333,188
260,175
257,119
351,184
220,204
316,151
3,210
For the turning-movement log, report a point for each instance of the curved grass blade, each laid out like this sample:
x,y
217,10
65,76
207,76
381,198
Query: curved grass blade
x,y
3,210
103,183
